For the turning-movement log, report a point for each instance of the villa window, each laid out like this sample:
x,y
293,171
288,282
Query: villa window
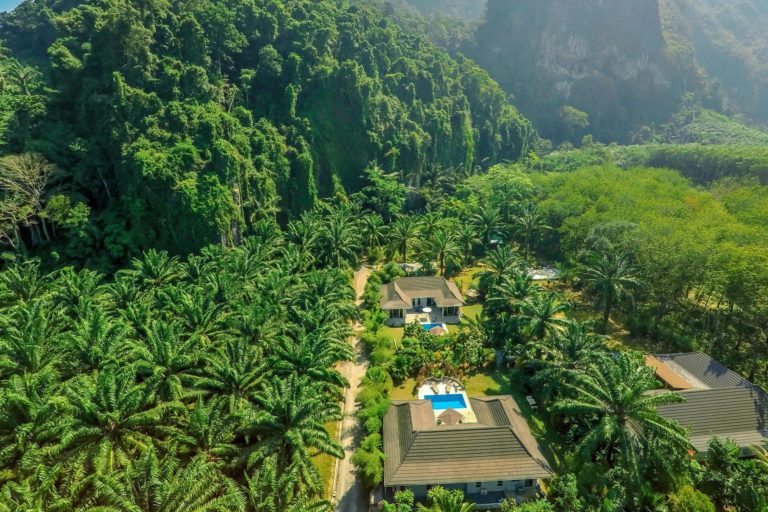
x,y
396,313
529,483
452,311
500,483
478,485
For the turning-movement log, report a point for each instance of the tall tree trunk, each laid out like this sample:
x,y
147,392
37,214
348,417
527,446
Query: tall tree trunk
x,y
607,310
45,230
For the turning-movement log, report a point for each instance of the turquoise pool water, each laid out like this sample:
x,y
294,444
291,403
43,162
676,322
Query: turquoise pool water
x,y
427,327
8,5
441,402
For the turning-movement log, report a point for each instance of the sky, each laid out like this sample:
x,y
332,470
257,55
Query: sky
x,y
7,5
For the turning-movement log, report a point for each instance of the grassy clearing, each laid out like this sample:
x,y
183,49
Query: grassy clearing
x,y
405,391
487,383
395,333
466,278
472,311
326,463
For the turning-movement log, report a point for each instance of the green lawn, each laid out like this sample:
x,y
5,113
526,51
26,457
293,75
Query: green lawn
x,y
487,383
395,333
479,384
405,391
325,464
466,278
472,311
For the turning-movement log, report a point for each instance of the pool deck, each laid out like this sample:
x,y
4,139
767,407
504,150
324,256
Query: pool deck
x,y
448,388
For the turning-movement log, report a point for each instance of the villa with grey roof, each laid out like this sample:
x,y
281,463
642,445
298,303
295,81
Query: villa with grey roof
x,y
427,300
718,401
480,445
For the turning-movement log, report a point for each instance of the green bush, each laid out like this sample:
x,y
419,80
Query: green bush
x,y
689,499
373,425
378,378
511,505
374,320
369,460
564,494
382,357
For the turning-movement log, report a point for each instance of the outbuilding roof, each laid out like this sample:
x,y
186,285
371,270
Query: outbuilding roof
x,y
718,401
399,294
739,414
701,371
499,447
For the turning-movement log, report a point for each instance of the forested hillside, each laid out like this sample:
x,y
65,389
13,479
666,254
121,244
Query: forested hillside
x,y
613,69
729,42
213,115
585,66
201,200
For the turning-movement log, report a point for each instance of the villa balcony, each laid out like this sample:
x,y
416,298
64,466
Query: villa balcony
x,y
423,318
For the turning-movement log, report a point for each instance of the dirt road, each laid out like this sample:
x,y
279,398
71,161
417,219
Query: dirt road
x,y
349,494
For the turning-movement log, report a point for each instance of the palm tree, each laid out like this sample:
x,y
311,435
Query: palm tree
x,y
498,263
611,276
270,490
155,269
23,77
431,222
23,282
304,234
31,342
95,341
326,292
79,293
340,239
201,317
165,362
290,426
208,432
374,231
404,235
760,454
528,225
313,357
488,222
28,403
444,247
574,348
611,397
155,484
443,500
235,372
544,314
110,423
511,290
467,239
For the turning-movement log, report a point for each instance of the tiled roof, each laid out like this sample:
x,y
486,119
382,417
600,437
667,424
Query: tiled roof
x,y
705,372
499,447
667,375
399,293
737,413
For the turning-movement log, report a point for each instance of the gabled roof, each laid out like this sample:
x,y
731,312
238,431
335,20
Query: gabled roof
x,y
499,447
718,402
737,413
701,371
399,294
671,378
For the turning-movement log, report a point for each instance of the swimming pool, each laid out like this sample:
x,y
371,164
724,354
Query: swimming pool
x,y
428,327
440,402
